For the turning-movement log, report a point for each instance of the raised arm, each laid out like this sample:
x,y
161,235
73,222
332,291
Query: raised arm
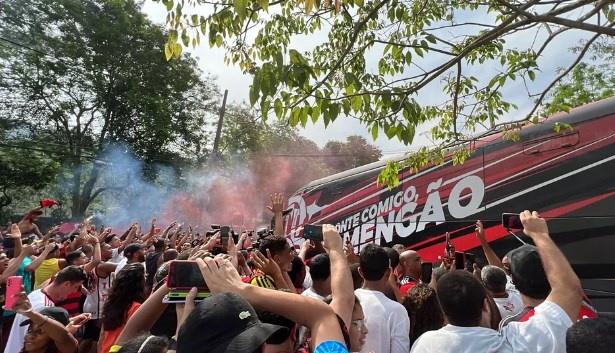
x,y
277,208
152,231
342,290
145,317
221,276
165,233
15,234
90,266
270,268
64,341
566,290
40,258
129,238
14,264
491,256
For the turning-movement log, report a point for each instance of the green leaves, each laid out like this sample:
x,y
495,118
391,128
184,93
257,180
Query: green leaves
x,y
240,7
415,56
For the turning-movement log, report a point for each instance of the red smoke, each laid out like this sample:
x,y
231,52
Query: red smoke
x,y
239,196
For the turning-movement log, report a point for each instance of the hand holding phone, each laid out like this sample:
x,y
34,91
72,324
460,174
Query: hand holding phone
x,y
511,221
185,275
426,272
225,231
312,232
14,286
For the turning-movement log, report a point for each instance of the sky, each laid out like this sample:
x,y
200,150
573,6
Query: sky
x,y
211,60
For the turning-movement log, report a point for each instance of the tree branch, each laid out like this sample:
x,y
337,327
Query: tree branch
x,y
355,35
456,97
564,73
414,46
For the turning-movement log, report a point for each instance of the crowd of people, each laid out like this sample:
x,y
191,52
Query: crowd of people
x,y
93,290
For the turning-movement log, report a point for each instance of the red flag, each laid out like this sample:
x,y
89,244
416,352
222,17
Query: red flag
x,y
49,203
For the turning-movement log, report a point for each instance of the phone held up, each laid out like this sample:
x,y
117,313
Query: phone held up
x,y
13,287
183,276
312,232
426,270
511,221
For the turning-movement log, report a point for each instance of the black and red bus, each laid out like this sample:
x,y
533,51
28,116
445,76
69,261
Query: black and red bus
x,y
568,176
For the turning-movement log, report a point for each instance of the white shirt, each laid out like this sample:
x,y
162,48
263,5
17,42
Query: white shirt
x,y
312,294
511,305
120,265
545,332
387,323
509,283
116,256
15,342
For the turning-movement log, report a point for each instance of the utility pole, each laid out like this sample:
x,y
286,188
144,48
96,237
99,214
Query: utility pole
x,y
215,152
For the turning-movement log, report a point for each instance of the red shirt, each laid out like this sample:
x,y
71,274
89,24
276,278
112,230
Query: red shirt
x,y
71,303
406,283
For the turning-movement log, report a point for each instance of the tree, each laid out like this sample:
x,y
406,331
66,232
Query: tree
x,y
588,82
355,152
422,44
21,169
274,152
81,75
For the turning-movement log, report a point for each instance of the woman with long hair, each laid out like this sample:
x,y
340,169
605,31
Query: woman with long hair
x,y
125,297
424,310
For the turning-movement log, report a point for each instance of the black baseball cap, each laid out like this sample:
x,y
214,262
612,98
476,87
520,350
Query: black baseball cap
x,y
56,313
528,273
224,323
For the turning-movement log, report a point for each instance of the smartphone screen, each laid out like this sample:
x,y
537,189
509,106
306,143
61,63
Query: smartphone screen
x,y
312,232
185,275
224,234
511,221
426,270
460,261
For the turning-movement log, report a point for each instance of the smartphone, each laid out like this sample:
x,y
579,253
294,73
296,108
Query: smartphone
x,y
426,270
460,260
225,231
312,232
185,275
470,260
511,221
14,285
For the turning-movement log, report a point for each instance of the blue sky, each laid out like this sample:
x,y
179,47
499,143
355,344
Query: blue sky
x,y
211,60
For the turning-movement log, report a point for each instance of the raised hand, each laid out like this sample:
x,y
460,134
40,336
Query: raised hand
x,y
277,203
212,242
533,225
351,256
220,275
231,250
15,232
22,304
76,322
266,264
53,231
332,240
480,231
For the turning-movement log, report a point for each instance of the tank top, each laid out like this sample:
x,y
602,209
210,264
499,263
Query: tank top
x,y
97,295
48,268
